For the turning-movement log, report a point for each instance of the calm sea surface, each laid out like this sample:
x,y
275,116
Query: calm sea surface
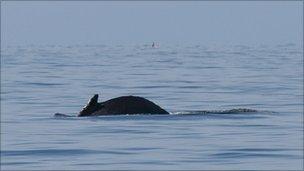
x,y
38,81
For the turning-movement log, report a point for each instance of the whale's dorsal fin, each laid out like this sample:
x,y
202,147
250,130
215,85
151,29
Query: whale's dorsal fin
x,y
93,100
90,107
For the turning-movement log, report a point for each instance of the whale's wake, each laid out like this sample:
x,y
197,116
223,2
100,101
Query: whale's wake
x,y
230,111
188,112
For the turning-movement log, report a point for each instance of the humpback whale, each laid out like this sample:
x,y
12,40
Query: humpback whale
x,y
130,105
120,105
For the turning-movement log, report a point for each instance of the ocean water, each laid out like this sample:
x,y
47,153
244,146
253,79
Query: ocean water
x,y
38,81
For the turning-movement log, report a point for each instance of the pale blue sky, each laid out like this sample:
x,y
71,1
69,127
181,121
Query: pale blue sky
x,y
143,22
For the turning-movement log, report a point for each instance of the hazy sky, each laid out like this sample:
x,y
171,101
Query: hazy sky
x,y
144,22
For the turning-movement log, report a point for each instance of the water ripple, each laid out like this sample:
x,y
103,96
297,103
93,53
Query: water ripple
x,y
60,152
250,154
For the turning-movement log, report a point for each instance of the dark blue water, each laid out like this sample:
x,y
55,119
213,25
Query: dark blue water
x,y
38,81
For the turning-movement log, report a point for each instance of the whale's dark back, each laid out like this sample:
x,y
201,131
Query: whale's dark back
x,y
128,105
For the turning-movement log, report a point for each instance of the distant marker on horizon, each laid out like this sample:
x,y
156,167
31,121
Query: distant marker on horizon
x,y
154,45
